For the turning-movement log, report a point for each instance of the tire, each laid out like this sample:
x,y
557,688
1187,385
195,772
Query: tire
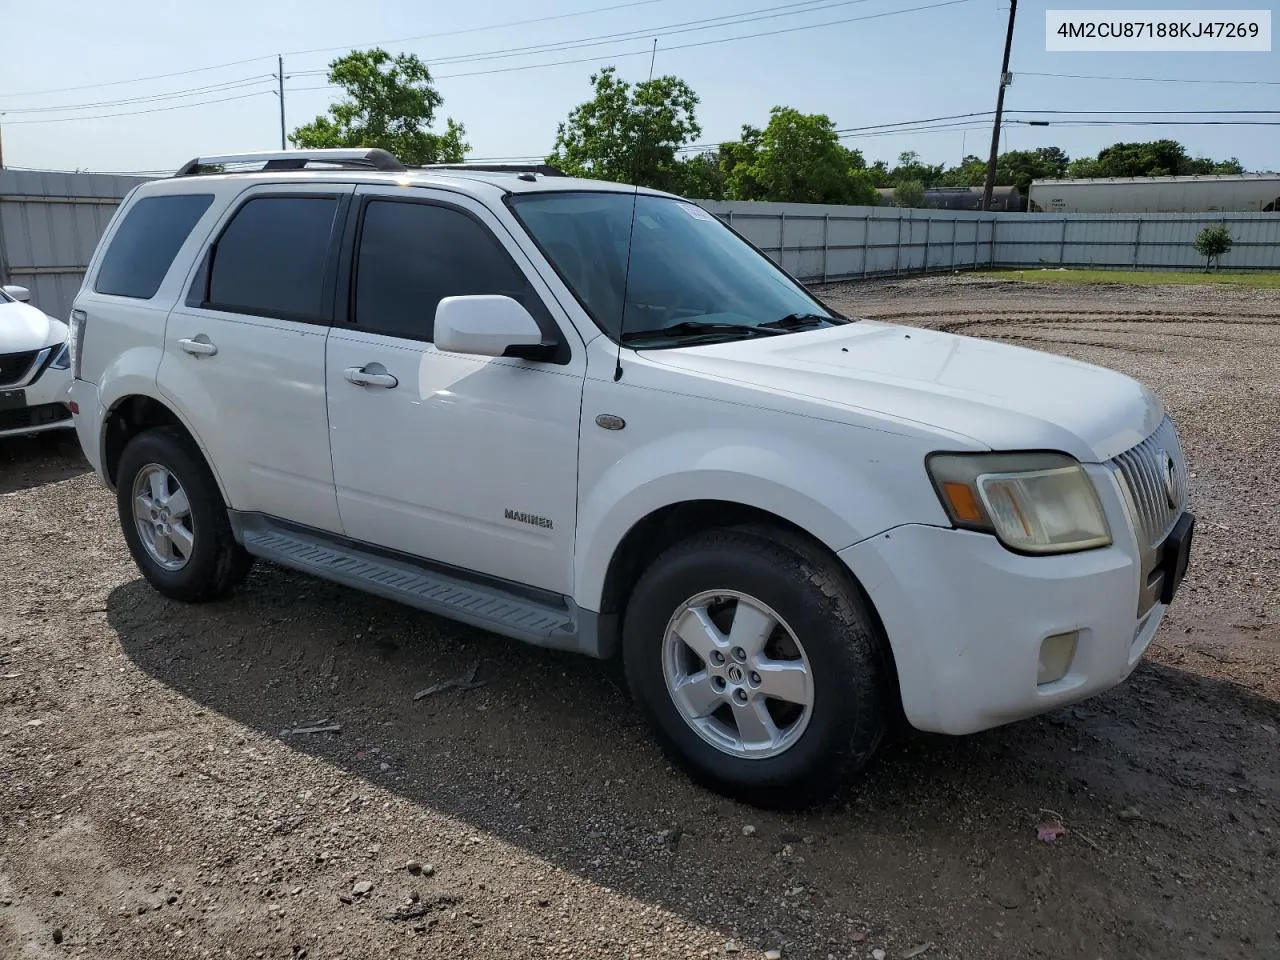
x,y
821,616
204,561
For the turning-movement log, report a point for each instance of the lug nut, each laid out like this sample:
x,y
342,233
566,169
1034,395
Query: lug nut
x,y
755,679
740,695
739,654
718,683
717,657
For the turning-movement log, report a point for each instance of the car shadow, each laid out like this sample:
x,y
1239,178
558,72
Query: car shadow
x,y
31,461
549,755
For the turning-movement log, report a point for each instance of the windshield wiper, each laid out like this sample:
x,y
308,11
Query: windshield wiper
x,y
796,321
698,328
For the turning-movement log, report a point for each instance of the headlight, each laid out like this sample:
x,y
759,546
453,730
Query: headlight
x,y
62,359
1034,502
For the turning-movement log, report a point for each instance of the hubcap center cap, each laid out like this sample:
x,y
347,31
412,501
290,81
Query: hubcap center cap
x,y
735,674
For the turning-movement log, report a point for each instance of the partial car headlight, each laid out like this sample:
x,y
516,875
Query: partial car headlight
x,y
1033,502
62,359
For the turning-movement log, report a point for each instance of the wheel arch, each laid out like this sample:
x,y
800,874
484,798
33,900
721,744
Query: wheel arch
x,y
135,413
666,526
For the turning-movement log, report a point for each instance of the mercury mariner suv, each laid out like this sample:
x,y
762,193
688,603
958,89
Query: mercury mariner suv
x,y
595,418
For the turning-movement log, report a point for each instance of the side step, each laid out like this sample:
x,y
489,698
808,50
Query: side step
x,y
482,605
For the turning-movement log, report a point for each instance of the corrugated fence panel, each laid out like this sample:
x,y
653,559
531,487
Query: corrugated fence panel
x,y
879,241
50,223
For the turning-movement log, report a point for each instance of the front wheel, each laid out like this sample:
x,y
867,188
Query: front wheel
x,y
757,665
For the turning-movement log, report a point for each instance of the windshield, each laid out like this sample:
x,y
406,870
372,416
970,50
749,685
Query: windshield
x,y
691,276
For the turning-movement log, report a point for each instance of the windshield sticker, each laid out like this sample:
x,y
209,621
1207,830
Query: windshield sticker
x,y
696,212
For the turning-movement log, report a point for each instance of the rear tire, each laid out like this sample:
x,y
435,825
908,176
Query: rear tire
x,y
761,742
174,519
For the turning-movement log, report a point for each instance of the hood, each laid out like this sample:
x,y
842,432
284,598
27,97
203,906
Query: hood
x,y
23,327
999,396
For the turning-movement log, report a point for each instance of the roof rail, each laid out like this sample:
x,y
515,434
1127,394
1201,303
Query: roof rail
x,y
543,168
360,158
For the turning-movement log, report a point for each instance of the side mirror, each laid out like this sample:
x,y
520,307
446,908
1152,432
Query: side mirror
x,y
18,293
488,326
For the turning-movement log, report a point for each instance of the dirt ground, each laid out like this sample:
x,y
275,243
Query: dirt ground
x,y
154,803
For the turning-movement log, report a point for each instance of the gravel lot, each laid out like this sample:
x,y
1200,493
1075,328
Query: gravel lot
x,y
154,803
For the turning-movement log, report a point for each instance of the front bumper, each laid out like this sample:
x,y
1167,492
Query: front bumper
x,y
966,618
37,406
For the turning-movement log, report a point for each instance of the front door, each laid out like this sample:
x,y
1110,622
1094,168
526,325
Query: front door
x,y
464,460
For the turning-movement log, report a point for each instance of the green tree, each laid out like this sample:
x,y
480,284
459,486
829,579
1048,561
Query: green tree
x,y
908,193
797,158
629,134
1212,243
389,103
910,168
702,176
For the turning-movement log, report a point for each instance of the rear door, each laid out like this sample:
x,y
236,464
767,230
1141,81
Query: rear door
x,y
244,355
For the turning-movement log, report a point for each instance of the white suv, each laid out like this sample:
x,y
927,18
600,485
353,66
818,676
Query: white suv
x,y
596,419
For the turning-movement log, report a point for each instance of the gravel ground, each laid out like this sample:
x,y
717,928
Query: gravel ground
x,y
158,800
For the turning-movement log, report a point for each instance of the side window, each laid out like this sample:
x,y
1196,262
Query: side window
x,y
412,255
149,237
270,260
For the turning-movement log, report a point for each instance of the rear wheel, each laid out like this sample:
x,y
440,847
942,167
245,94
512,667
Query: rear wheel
x,y
174,519
757,665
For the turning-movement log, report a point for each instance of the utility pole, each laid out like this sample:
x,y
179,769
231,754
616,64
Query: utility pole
x,y
1005,80
280,93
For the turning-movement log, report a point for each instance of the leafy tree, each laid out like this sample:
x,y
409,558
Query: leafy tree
x,y
628,133
798,158
908,193
702,176
1212,243
910,168
389,103
972,172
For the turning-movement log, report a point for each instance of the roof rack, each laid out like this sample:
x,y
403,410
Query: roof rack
x,y
361,158
543,168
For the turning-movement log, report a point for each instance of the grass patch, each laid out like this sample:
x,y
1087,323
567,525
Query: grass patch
x,y
1139,278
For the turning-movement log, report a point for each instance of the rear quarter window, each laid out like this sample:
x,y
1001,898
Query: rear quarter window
x,y
142,249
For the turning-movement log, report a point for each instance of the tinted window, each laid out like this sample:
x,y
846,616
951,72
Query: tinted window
x,y
148,239
271,258
412,255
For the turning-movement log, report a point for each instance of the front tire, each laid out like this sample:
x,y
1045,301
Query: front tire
x,y
757,665
174,519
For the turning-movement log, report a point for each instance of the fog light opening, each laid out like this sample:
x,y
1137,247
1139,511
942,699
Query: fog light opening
x,y
1056,654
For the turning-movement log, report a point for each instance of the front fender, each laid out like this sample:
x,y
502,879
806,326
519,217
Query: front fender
x,y
839,495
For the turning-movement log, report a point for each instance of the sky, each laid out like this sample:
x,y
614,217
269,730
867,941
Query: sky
x,y
894,63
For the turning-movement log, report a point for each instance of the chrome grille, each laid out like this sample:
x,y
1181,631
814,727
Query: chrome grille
x,y
1157,486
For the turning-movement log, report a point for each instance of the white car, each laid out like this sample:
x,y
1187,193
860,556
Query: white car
x,y
35,367
791,526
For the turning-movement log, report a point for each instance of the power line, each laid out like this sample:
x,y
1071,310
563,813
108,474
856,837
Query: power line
x,y
680,46
157,76
492,26
236,63
134,113
669,29
1089,76
171,95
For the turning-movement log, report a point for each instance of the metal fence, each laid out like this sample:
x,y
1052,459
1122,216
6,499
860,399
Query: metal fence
x,y
816,242
49,225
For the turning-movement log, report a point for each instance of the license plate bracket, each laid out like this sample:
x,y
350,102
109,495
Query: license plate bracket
x,y
1175,554
13,399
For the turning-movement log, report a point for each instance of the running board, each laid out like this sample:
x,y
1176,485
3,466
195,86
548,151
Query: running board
x,y
484,605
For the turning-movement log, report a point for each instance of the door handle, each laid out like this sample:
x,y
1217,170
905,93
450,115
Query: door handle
x,y
370,375
198,347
